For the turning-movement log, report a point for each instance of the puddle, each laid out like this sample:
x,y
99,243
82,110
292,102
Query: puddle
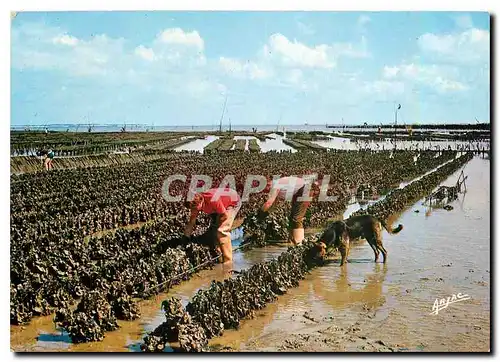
x,y
197,145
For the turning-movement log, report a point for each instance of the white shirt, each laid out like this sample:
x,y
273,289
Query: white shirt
x,y
286,185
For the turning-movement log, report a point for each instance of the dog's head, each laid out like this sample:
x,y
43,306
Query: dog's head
x,y
334,235
317,254
321,249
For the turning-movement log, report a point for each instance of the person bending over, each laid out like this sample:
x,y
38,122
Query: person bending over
x,y
49,157
223,205
295,188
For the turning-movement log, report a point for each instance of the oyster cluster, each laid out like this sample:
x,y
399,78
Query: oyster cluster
x,y
177,327
273,227
224,304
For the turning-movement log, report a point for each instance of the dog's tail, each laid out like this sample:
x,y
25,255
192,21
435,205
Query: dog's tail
x,y
389,230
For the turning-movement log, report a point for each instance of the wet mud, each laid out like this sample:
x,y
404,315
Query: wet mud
x,y
364,306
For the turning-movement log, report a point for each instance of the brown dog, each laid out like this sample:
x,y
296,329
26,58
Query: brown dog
x,y
339,234
336,236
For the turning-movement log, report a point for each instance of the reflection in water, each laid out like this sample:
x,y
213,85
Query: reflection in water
x,y
345,291
348,144
321,291
54,337
275,144
60,339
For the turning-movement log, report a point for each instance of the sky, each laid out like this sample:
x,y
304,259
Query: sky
x,y
177,68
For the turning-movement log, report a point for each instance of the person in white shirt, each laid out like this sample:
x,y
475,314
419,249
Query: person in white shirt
x,y
292,188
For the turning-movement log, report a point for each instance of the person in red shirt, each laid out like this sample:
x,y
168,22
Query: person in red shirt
x,y
222,203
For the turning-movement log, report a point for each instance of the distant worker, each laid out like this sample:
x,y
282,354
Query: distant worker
x,y
294,187
49,157
223,205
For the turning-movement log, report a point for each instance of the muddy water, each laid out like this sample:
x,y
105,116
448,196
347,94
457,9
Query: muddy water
x,y
197,145
246,138
365,306
337,143
274,144
439,253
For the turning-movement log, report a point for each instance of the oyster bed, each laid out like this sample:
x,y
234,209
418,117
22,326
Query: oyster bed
x,y
253,146
398,199
301,145
110,283
89,143
58,262
224,304
72,144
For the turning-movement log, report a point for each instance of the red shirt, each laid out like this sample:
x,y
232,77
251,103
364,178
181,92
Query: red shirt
x,y
216,201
